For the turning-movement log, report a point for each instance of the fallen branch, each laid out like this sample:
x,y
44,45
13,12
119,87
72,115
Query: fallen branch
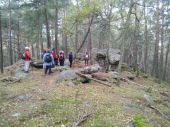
x,y
85,76
18,80
10,80
82,120
158,111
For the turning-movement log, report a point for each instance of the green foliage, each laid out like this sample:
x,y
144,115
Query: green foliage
x,y
141,121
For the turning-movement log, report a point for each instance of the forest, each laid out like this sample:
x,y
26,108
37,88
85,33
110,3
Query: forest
x,y
138,29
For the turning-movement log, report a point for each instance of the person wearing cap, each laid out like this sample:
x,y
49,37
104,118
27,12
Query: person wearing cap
x,y
27,58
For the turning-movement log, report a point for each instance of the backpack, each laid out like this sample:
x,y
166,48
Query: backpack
x,y
48,58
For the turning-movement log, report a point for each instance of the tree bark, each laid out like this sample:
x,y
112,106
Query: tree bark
x,y
90,46
1,46
32,49
135,41
9,34
41,39
76,35
65,34
155,70
145,41
166,61
162,47
86,35
56,27
47,26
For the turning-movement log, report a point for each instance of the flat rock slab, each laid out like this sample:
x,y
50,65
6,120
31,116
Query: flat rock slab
x,y
20,74
66,75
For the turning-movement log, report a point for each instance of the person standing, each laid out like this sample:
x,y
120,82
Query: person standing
x,y
71,58
61,58
27,58
55,56
86,58
48,61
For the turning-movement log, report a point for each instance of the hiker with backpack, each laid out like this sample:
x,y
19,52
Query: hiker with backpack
x,y
86,58
48,61
71,58
27,58
55,56
42,54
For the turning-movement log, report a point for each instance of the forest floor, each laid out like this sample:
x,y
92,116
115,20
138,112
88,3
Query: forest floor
x,y
38,101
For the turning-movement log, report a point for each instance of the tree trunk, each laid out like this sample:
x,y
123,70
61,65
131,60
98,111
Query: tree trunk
x,y
32,48
37,50
10,38
18,40
155,71
90,46
135,41
47,26
1,47
145,41
65,34
56,27
41,39
166,61
86,35
123,40
76,35
162,47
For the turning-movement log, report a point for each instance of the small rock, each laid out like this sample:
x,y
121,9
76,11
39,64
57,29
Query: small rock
x,y
17,115
24,97
148,100
130,76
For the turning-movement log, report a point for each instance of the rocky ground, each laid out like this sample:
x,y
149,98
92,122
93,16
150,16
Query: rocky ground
x,y
55,101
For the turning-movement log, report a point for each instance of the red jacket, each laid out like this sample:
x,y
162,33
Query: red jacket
x,y
54,54
27,55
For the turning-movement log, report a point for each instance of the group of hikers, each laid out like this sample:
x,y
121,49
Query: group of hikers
x,y
50,59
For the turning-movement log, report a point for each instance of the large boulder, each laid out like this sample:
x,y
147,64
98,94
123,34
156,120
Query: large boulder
x,y
37,64
91,69
114,56
67,75
108,57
